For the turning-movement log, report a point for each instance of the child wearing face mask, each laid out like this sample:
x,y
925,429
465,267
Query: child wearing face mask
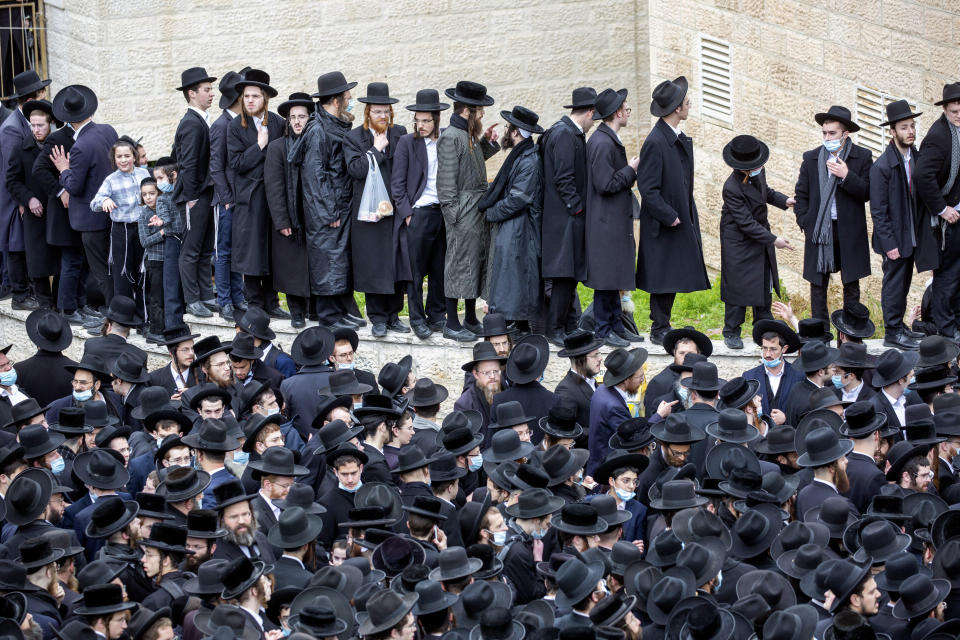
x,y
172,225
151,237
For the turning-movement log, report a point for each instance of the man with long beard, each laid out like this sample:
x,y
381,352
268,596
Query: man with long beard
x,y
826,453
381,262
485,368
236,515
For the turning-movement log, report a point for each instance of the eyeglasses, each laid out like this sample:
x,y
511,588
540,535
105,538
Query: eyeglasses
x,y
81,383
678,454
928,475
220,365
489,374
183,461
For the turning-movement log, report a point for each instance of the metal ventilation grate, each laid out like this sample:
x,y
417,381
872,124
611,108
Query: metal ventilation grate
x,y
871,111
716,87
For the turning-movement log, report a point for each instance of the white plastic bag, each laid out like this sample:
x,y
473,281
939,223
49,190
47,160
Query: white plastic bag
x,y
375,202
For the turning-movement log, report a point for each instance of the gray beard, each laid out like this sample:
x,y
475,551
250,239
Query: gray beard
x,y
243,539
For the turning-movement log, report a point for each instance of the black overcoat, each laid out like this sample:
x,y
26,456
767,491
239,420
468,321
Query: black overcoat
x,y
22,185
191,149
375,246
933,172
251,216
290,265
564,151
851,195
893,204
59,231
609,237
665,183
746,242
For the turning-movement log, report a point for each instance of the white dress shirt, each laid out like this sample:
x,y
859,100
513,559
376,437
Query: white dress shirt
x,y
429,195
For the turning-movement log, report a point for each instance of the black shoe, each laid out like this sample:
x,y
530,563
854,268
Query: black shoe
x,y
379,329
901,341
460,335
298,322
227,313
657,338
277,312
211,304
89,311
153,338
910,333
197,309
75,319
92,323
340,325
360,322
556,338
733,342
313,317
397,326
613,340
346,320
27,304
242,305
437,326
475,328
421,330
630,337
5,293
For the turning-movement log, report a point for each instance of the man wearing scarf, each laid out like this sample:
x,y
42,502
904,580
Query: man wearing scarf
x,y
514,204
833,186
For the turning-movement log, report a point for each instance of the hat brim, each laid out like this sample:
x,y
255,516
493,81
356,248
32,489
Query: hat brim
x,y
595,571
440,394
90,104
780,328
334,91
583,350
851,126
551,505
99,611
368,627
520,124
435,107
748,164
485,101
192,336
259,568
879,419
253,83
200,357
203,479
836,319
636,460
637,357
747,396
284,111
661,111
612,109
63,339
750,434
841,449
384,100
310,532
196,82
32,88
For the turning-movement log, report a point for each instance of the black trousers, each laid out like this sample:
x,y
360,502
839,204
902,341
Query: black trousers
x,y
897,275
427,243
330,309
44,292
818,289
259,292
17,272
96,247
661,305
297,306
946,283
196,254
126,254
154,291
384,307
606,312
562,315
734,315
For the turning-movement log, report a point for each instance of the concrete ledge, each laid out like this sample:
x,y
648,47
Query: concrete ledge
x,y
436,358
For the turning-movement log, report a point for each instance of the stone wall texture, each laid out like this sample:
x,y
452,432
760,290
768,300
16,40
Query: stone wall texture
x,y
789,60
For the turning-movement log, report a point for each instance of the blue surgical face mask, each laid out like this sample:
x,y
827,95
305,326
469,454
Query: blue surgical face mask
x,y
476,462
579,479
837,380
344,365
241,457
913,379
771,364
164,187
354,490
357,405
499,537
832,145
683,392
625,495
83,396
539,534
58,465
8,378
285,633
350,105
755,172
273,411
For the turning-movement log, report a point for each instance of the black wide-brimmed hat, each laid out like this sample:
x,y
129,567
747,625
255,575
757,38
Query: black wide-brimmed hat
x,y
672,337
732,426
576,580
823,446
631,435
129,367
839,114
38,552
454,564
853,355
523,118
582,98
378,93
277,461
103,599
211,435
899,110
143,619
318,621
935,377
561,420
815,420
194,76
779,440
344,383
229,493
853,320
528,360
37,441
607,103
444,468
227,616
256,78
21,412
111,514
793,623
754,532
426,393
861,419
294,528
228,89
621,364
346,449
737,392
48,330
579,519
257,423
428,100
335,433
676,495
208,346
812,330
667,96
482,351
167,537
332,83
745,153
256,322
946,527
94,364
704,378
240,574
694,524
579,342
560,463
123,311
787,335
204,524
470,93
174,336
74,103
951,93
243,348
936,350
384,610
505,445
375,404
815,355
510,414
296,99
919,595
803,560
879,541
773,587
616,459
411,457
834,513
207,581
676,430
899,454
842,577
100,469
182,483
393,376
27,82
678,583
312,346
535,503
301,495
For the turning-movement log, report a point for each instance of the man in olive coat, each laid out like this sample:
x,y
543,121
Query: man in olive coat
x,y
378,248
564,262
833,186
669,222
610,251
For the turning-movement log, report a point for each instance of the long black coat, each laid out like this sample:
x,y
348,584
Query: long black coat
x,y
665,183
251,216
191,148
59,231
44,376
933,172
290,265
375,247
893,205
746,242
536,401
851,194
22,185
575,389
564,150
609,237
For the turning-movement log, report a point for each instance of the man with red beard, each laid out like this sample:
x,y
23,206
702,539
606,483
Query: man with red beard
x,y
378,247
826,453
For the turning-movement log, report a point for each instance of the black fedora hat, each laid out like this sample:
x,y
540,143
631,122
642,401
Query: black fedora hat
x,y
277,461
344,383
378,93
296,99
103,599
787,335
889,507
37,441
674,336
312,346
38,552
732,426
560,463
579,519
509,414
228,89
523,118
607,103
880,540
561,420
495,324
528,360
803,560
393,376
779,440
667,96
951,93
194,76
294,528
206,347
411,457
301,495
375,404
101,470
842,577
469,93
815,355
335,433
899,110
745,153
129,367
396,554
582,98
332,83
773,587
676,430
454,564
853,320
622,555
694,524
346,449
239,574
616,459
143,619
815,420
754,532
109,515
743,477
74,103
318,621
94,364
152,506
384,610
812,330
506,445
899,454
211,435
689,359
783,488
936,350
834,513
606,506
21,412
737,392
167,537
426,393
227,616
193,396
428,100
432,598
945,528
631,435
576,580
426,506
61,539
444,468
620,364
704,378
229,493
853,355
27,82
676,495
243,348
946,563
48,330
677,584
797,622
256,78
861,419
919,595
328,403
935,377
534,503
823,446
256,322
123,311
182,483
838,114
384,495
901,566
482,351
204,524
579,342
256,423
177,335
